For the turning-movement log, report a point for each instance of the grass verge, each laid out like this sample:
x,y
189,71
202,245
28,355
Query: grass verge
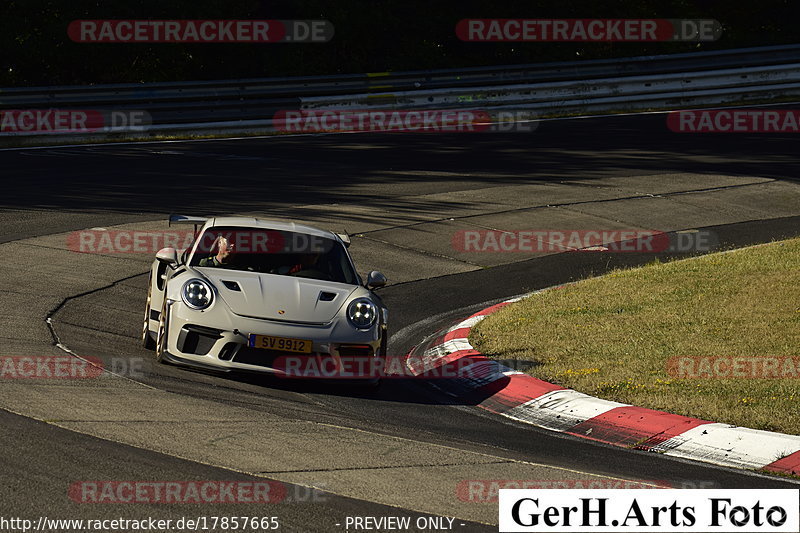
x,y
715,337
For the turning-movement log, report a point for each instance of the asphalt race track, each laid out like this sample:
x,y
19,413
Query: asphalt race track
x,y
404,449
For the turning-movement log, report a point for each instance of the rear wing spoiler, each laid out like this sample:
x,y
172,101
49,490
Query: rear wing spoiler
x,y
199,221
183,219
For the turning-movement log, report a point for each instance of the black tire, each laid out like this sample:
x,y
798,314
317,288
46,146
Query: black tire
x,y
373,385
147,340
364,386
163,332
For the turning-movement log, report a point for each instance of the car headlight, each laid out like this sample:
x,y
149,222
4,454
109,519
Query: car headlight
x,y
197,294
362,313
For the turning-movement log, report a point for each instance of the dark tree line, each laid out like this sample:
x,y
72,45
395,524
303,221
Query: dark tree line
x,y
371,36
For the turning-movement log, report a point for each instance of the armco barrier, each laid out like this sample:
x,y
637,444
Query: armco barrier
x,y
248,106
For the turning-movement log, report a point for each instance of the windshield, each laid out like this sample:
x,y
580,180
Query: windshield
x,y
267,251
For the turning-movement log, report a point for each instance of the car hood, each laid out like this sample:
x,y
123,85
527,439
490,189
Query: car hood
x,y
278,297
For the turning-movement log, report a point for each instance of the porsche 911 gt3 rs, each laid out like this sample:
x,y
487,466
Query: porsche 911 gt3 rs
x,y
248,293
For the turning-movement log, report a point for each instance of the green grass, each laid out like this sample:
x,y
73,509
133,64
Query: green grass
x,y
614,336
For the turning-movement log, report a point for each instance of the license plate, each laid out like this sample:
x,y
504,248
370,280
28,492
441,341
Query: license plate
x,y
281,344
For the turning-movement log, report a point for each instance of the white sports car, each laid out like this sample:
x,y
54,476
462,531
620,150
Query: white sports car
x,y
252,294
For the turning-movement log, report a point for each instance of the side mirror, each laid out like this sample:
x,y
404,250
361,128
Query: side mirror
x,y
375,279
345,239
168,256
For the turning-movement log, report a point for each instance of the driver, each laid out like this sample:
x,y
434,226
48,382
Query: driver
x,y
223,258
304,262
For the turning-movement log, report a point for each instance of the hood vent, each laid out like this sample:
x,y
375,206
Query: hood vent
x,y
327,296
231,285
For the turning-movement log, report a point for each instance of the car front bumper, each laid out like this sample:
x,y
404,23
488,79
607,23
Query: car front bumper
x,y
219,339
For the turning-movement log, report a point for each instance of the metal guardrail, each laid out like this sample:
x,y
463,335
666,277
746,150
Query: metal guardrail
x,y
624,84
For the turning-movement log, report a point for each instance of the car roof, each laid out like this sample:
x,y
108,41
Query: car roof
x,y
252,222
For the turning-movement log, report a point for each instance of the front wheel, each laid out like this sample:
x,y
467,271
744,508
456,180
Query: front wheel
x,y
147,340
163,332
